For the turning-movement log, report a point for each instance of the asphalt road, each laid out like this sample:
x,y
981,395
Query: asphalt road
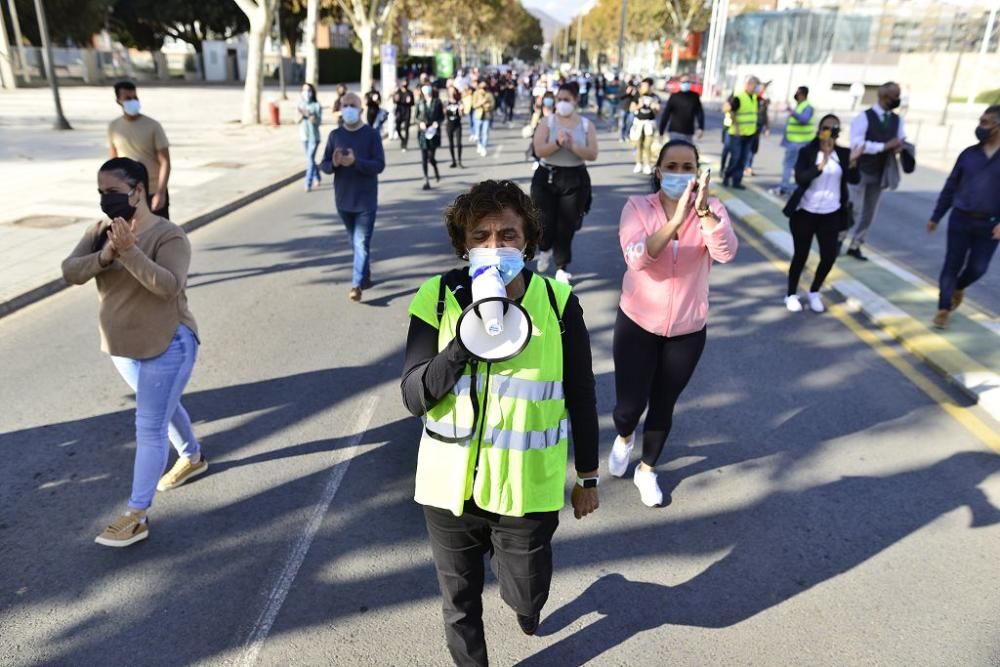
x,y
900,228
825,511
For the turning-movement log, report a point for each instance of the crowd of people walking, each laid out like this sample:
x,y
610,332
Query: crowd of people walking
x,y
491,479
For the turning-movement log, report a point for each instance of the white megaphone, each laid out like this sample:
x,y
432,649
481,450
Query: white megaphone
x,y
494,327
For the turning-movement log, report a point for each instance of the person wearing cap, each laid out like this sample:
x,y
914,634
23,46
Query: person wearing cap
x,y
493,451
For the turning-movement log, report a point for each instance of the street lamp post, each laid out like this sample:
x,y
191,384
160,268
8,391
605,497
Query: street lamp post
x,y
983,48
621,39
22,55
579,30
50,72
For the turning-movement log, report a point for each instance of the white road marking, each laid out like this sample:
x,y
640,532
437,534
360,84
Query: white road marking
x,y
276,598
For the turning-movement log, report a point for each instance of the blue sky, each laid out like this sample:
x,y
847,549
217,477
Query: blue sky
x,y
564,10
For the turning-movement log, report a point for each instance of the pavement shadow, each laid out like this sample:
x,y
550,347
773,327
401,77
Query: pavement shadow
x,y
782,546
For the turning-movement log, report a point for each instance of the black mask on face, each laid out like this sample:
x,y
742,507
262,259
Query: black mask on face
x,y
116,205
834,132
893,104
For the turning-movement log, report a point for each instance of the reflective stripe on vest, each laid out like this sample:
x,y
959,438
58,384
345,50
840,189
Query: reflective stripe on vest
x,y
508,451
746,115
800,133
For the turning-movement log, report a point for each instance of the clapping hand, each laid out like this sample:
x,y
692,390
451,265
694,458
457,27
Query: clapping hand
x,y
122,235
108,252
347,158
338,157
701,199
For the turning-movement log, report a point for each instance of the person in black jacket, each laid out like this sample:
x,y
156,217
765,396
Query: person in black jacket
x,y
682,112
819,207
430,116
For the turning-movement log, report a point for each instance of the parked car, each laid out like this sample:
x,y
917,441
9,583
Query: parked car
x,y
673,84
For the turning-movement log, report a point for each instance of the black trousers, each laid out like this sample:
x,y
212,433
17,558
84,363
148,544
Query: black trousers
x,y
454,129
403,127
427,155
521,558
651,370
561,196
804,226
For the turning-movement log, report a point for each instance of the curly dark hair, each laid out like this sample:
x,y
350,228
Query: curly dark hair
x,y
490,198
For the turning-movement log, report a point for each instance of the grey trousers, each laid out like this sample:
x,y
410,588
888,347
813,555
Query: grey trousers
x,y
865,197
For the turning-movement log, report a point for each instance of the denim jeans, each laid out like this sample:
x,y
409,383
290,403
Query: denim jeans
x,y
359,226
627,119
788,167
970,248
312,171
482,132
158,383
742,149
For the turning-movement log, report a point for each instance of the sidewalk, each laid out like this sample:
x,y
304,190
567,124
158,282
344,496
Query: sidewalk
x,y
899,302
48,178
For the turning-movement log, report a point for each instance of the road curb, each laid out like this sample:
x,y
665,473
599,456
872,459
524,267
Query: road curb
x,y
974,380
55,286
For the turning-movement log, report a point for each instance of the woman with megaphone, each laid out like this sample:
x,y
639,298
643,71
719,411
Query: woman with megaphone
x,y
670,239
498,366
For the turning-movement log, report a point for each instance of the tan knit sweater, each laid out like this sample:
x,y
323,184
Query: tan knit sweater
x,y
141,293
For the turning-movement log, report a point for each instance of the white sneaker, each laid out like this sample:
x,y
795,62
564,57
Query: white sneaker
x,y
543,260
563,276
621,453
793,304
638,168
649,487
647,170
816,302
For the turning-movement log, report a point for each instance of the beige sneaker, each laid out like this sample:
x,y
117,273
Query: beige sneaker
x,y
957,297
940,320
127,529
182,471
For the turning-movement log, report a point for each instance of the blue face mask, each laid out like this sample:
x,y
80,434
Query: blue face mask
x,y
685,86
351,115
509,261
673,185
548,101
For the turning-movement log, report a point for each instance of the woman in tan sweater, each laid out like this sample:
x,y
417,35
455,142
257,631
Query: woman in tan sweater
x,y
140,263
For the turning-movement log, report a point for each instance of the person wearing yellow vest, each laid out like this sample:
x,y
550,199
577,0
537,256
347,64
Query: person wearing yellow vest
x,y
799,131
491,466
744,112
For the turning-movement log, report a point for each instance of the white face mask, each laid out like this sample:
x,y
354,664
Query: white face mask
x,y
564,108
131,107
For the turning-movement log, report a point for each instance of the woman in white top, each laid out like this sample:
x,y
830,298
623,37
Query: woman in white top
x,y
819,208
560,189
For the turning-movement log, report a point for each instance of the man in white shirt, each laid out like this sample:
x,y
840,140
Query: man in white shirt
x,y
879,131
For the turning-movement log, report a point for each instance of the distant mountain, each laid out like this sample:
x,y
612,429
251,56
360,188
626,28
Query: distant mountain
x,y
550,25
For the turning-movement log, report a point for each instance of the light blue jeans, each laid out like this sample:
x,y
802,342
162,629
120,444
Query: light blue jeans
x,y
359,225
160,418
788,167
482,132
312,171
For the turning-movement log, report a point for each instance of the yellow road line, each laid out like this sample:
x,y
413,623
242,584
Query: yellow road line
x,y
973,424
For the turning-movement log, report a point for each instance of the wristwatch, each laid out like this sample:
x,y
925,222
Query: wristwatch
x,y
703,213
588,482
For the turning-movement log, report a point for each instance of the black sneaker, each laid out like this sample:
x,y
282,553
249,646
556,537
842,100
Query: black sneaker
x,y
529,624
739,186
856,254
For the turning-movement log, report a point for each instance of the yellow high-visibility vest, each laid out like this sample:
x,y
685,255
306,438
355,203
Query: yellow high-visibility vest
x,y
800,133
746,116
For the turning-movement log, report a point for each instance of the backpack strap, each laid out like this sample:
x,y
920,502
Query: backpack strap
x,y
555,305
449,281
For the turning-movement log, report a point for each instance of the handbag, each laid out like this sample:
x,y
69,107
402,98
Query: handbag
x,y
846,216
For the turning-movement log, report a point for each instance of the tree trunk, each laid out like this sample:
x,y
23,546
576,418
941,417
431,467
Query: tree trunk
x,y
312,53
366,33
675,57
260,24
162,67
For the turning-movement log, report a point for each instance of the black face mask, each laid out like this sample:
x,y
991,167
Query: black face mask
x,y
893,104
834,132
116,205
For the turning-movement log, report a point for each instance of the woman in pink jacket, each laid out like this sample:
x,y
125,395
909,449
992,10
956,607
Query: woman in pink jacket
x,y
670,239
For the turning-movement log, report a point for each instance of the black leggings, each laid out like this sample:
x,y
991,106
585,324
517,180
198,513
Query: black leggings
x,y
561,197
427,155
403,128
651,370
826,228
455,140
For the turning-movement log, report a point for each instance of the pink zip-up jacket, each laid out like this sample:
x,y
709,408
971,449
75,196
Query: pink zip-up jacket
x,y
665,296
